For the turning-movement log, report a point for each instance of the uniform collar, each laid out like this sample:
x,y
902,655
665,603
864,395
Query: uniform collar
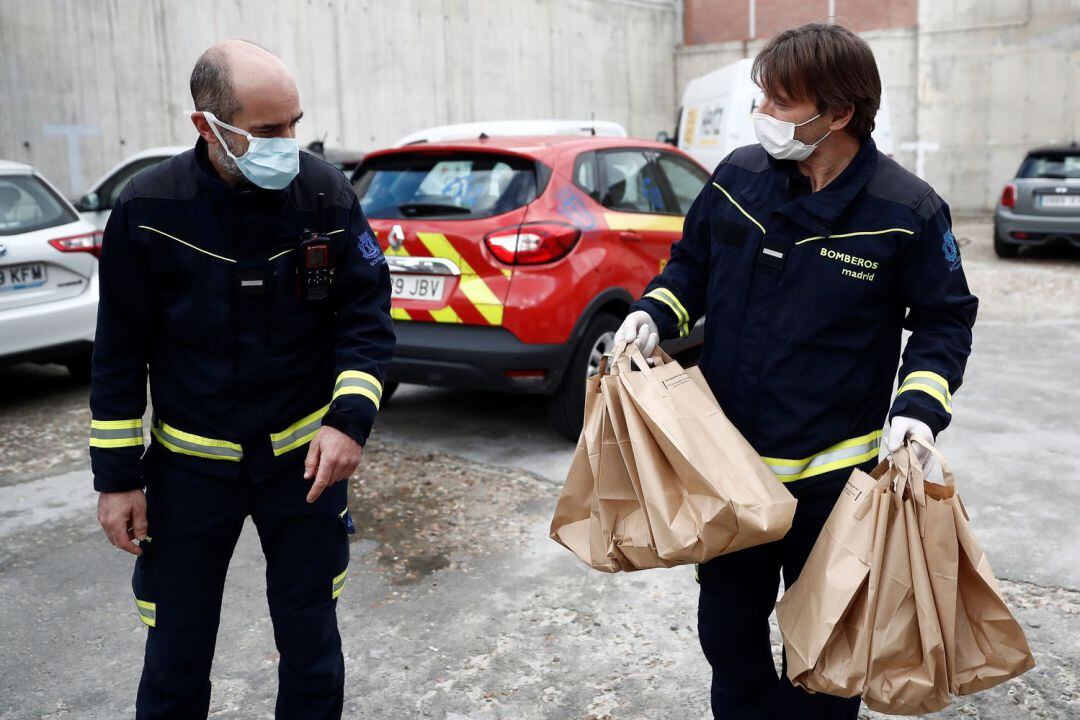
x,y
818,211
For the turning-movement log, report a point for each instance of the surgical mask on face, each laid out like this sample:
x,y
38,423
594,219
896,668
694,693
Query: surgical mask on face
x,y
778,137
270,163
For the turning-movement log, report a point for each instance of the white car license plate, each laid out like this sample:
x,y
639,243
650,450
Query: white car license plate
x,y
22,277
1059,201
416,287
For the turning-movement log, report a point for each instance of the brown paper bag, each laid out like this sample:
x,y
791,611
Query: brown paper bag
x,y
706,492
908,672
576,523
985,643
824,616
631,532
900,629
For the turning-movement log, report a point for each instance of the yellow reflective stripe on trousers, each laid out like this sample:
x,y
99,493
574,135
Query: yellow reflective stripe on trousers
x,y
147,612
740,208
338,584
841,455
668,298
357,382
186,443
930,383
116,433
299,433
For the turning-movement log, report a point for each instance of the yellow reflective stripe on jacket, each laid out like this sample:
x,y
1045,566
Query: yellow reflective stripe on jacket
x,y
740,208
357,382
147,612
338,584
856,234
841,455
116,433
668,298
186,443
930,383
185,242
299,433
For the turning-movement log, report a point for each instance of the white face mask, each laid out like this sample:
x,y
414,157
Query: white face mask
x,y
778,137
270,163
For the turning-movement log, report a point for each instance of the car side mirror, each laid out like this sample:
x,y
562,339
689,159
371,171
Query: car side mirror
x,y
89,202
663,137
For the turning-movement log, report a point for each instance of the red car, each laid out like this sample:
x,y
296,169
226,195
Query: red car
x,y
515,259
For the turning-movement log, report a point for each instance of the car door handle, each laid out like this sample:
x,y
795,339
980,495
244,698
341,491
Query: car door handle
x,y
630,236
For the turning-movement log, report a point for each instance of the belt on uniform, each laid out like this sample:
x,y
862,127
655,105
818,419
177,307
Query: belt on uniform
x,y
180,441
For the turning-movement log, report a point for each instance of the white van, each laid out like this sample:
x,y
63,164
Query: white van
x,y
715,117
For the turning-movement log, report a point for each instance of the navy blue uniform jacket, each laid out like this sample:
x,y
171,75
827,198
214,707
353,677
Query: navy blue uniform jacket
x,y
805,297
240,376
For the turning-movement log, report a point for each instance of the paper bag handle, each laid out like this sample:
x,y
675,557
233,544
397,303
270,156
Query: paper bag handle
x,y
946,471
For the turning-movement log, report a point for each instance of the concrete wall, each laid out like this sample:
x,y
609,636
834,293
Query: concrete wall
x,y
87,82
970,89
995,78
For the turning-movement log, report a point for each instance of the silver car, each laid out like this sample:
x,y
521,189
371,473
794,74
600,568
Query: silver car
x,y
48,274
1041,206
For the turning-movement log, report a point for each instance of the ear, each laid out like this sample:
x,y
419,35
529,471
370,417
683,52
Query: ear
x,y
203,126
840,117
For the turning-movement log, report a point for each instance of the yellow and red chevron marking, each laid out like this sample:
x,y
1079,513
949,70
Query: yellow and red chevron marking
x,y
476,300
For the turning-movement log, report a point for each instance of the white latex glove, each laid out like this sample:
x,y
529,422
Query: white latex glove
x,y
638,327
902,427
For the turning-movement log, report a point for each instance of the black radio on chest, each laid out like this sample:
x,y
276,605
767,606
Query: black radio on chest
x,y
314,275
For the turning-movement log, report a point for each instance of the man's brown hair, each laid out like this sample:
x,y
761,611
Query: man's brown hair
x,y
826,64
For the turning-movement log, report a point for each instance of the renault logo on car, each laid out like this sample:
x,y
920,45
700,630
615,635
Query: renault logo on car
x,y
396,237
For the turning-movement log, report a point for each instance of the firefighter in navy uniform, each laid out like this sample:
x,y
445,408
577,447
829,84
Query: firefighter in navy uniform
x,y
808,255
265,354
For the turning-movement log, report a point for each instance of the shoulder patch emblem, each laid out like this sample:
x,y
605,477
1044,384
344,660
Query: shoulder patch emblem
x,y
950,250
369,248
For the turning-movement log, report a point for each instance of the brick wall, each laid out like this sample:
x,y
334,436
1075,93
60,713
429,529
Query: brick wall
x,y
717,21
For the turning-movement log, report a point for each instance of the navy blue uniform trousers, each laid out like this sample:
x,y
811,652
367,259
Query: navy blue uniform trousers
x,y
738,593
194,523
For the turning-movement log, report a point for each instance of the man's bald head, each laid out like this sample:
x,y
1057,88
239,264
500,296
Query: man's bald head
x,y
230,72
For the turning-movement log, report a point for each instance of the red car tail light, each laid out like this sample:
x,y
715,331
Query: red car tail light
x,y
532,243
1008,196
87,242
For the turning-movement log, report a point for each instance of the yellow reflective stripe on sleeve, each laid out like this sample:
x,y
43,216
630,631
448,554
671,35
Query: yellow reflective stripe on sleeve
x,y
740,208
283,252
848,453
299,433
147,612
668,298
856,234
184,242
930,383
357,382
186,443
116,433
338,584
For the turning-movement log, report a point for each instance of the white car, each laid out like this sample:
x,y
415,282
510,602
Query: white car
x,y
96,205
48,274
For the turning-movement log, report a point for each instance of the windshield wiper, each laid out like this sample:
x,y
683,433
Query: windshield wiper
x,y
426,208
